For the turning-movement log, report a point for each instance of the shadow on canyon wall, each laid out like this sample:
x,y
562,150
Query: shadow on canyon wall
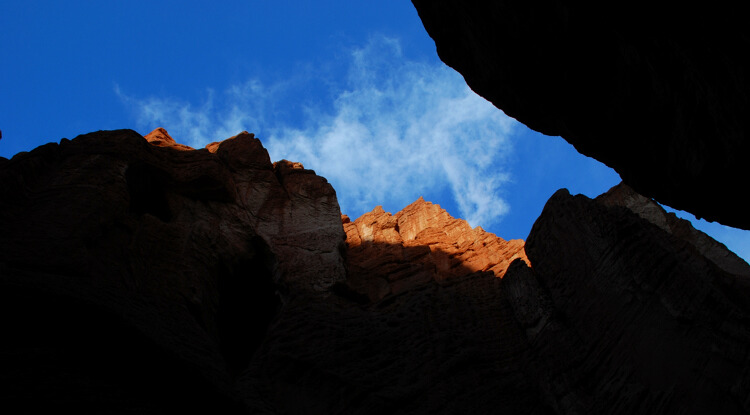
x,y
616,315
442,345
123,288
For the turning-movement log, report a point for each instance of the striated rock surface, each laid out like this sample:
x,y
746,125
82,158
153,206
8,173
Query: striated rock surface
x,y
716,252
442,347
420,326
388,254
659,93
624,316
615,315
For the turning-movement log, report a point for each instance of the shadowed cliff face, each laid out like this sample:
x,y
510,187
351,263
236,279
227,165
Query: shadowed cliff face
x,y
144,277
659,93
616,315
179,259
139,277
624,316
448,346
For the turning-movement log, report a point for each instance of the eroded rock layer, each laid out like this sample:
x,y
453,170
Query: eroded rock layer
x,y
388,254
657,92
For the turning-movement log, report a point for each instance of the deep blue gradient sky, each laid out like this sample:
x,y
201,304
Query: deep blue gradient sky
x,y
352,89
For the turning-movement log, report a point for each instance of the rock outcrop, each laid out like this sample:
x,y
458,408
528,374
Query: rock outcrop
x,y
615,315
151,278
659,93
164,263
388,254
161,138
623,316
420,326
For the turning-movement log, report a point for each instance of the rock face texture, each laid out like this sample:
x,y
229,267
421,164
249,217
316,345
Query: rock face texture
x,y
659,93
419,326
623,316
140,276
388,254
624,195
165,264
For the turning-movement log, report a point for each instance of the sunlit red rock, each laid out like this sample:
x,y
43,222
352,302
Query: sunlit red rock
x,y
161,138
388,254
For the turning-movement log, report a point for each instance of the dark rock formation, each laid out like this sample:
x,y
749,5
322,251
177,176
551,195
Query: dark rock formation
x,y
616,315
656,91
623,316
151,278
441,347
139,276
716,252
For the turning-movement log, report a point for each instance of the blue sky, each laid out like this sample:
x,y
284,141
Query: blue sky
x,y
352,89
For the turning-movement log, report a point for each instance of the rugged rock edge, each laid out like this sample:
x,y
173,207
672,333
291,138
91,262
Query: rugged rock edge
x,y
151,277
659,93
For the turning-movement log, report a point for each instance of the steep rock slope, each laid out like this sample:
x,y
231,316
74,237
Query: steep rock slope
x,y
657,92
145,276
624,316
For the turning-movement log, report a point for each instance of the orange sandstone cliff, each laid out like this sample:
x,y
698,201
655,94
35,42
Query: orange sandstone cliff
x,y
387,254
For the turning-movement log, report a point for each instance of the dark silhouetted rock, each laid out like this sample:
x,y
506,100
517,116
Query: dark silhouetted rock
x,y
149,278
419,327
624,316
656,91
145,276
624,195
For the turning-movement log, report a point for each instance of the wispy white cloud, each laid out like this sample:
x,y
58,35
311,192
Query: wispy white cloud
x,y
396,129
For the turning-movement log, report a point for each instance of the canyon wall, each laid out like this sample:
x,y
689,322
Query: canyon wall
x,y
128,266
139,275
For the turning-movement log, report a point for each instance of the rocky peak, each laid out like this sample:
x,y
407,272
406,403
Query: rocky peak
x,y
421,218
161,138
389,254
